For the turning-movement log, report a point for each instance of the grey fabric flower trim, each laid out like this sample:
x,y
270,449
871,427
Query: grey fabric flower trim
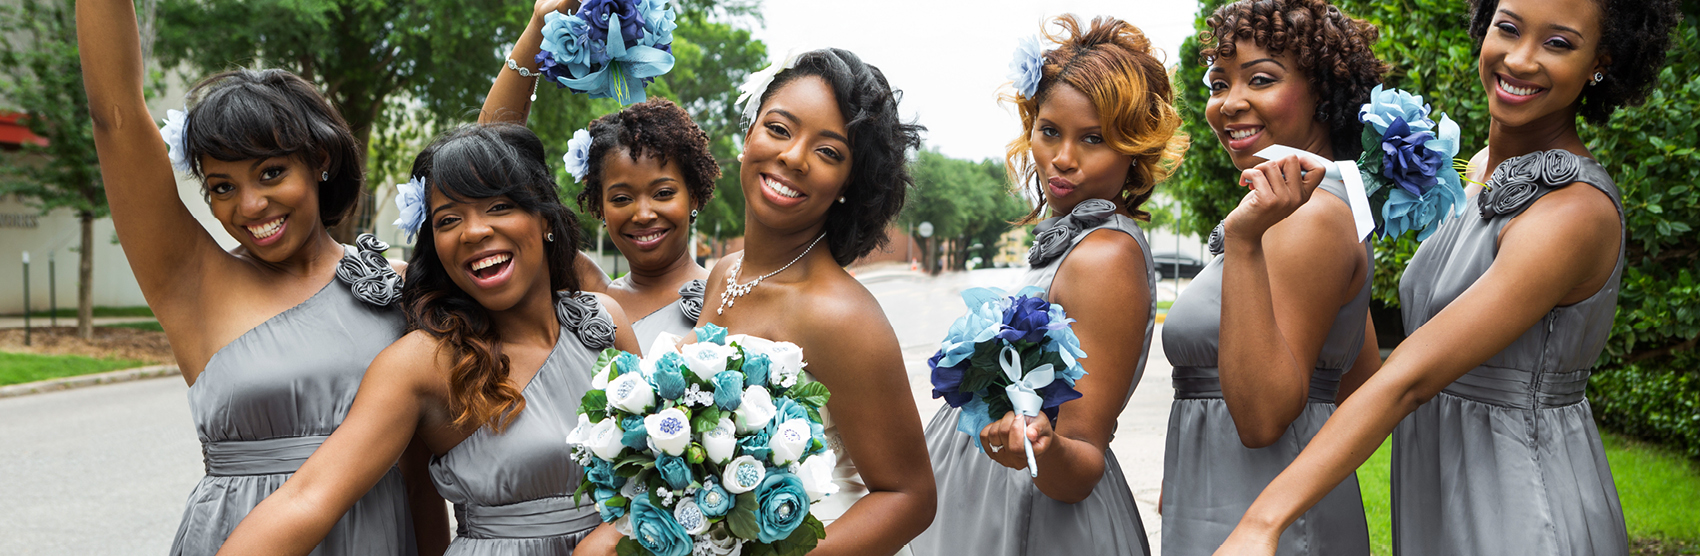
x,y
368,274
690,299
1518,181
1217,243
581,313
1053,236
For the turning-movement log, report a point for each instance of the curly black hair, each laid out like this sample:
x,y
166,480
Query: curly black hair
x,y
244,114
1635,33
656,128
879,145
1333,50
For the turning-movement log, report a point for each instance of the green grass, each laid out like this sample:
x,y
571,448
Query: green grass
x,y
71,312
17,368
146,325
1657,486
1164,305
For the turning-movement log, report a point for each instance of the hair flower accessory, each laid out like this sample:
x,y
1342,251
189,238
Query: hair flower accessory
x,y
756,84
609,48
1028,67
410,199
1406,165
578,155
176,138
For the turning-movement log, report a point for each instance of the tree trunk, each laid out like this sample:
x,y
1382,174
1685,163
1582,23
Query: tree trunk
x,y
359,217
85,278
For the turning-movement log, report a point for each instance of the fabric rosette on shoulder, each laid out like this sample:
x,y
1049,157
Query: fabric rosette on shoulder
x,y
707,447
608,48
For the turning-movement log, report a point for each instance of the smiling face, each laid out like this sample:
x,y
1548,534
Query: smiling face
x,y
1537,57
490,248
270,205
1071,157
1258,100
796,157
647,207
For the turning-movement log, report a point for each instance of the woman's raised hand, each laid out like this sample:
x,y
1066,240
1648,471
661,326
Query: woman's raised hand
x,y
1278,188
543,7
1001,440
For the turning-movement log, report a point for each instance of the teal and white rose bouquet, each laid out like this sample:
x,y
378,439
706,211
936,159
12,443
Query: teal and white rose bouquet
x,y
713,448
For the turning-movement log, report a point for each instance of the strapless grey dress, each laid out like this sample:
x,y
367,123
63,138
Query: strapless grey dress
x,y
677,318
267,400
1506,459
1209,477
512,492
987,509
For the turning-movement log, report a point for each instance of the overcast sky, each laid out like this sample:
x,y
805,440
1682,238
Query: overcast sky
x,y
950,56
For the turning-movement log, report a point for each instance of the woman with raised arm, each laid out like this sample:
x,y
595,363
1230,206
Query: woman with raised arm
x,y
1260,340
273,336
1494,445
1099,132
500,348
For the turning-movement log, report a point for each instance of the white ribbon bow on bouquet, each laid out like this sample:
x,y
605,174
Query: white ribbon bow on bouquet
x,y
1024,396
1340,171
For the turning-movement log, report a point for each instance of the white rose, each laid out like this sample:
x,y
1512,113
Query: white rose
x,y
751,344
600,379
743,475
789,441
580,436
816,474
689,516
631,393
721,442
663,344
718,542
706,359
669,430
604,439
755,410
785,362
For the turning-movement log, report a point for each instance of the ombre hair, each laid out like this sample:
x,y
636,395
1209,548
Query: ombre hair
x,y
1112,63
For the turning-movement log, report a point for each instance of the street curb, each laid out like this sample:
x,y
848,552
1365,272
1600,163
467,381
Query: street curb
x,y
66,383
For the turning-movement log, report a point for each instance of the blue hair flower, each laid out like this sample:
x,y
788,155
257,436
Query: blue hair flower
x,y
410,199
1028,67
176,140
578,155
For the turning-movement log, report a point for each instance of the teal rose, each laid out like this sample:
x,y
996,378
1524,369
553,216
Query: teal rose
x,y
755,369
713,499
671,361
657,531
601,473
669,384
636,436
781,506
674,470
728,389
711,333
607,505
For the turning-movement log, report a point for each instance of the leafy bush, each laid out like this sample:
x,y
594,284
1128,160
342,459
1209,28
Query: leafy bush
x,y
1650,403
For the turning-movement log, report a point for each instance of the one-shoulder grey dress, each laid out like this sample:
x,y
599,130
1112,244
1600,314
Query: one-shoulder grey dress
x,y
677,318
267,400
985,508
1506,459
512,492
1209,477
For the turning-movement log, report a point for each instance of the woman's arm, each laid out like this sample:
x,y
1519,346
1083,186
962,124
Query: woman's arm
x,y
510,96
1102,285
1369,360
1558,253
1292,260
430,513
384,417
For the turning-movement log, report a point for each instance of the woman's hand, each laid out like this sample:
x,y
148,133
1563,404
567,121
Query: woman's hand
x,y
1242,542
601,541
1002,439
1278,187
543,7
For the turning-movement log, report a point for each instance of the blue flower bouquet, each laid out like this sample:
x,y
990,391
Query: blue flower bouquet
x,y
706,448
1009,353
1407,164
608,48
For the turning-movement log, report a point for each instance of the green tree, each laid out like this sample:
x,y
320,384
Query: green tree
x,y
44,80
968,203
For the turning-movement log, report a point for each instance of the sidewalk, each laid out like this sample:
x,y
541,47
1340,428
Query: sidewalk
x,y
14,321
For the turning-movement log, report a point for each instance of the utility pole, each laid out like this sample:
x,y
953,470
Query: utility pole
x,y
26,298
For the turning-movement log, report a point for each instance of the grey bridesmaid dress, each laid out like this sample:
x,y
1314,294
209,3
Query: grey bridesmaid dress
x,y
1506,459
267,400
677,318
512,492
985,508
1209,477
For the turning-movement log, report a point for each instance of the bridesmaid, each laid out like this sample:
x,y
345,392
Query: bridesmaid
x,y
1099,132
499,350
1260,340
273,336
1510,307
823,173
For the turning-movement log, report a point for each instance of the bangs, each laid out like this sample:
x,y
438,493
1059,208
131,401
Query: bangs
x,y
244,121
466,168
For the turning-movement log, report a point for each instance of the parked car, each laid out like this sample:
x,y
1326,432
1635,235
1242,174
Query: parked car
x,y
1166,262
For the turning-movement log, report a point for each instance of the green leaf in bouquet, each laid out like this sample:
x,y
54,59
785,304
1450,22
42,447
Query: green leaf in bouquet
x,y
986,355
742,518
759,549
814,526
976,378
814,414
583,487
617,502
594,405
630,547
802,540
997,406
810,394
705,419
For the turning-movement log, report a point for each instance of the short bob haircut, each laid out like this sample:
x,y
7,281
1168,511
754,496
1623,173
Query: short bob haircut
x,y
1635,33
879,145
246,114
1111,62
1332,50
479,162
656,128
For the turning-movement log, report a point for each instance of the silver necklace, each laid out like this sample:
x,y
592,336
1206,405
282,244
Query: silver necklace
x,y
734,290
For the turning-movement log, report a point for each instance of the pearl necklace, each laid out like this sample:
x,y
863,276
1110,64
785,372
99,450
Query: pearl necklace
x,y
734,290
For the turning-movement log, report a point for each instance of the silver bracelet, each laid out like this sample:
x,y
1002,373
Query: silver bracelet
x,y
522,71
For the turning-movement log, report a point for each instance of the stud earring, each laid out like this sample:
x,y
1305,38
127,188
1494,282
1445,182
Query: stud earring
x,y
841,199
693,215
549,236
324,176
1598,77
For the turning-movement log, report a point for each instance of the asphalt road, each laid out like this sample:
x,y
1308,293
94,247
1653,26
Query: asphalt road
x,y
106,469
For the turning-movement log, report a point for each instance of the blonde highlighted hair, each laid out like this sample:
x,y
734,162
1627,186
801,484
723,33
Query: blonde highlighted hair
x,y
1112,63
